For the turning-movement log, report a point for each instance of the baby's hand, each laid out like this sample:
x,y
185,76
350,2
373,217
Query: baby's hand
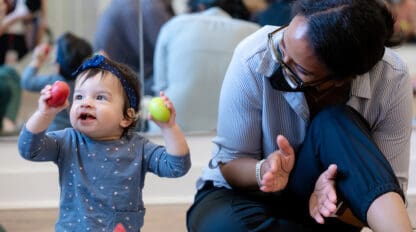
x,y
162,111
44,107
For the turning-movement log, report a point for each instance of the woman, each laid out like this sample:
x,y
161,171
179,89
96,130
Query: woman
x,y
326,89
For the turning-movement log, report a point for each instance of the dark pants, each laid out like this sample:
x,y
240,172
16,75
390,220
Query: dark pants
x,y
5,95
11,92
337,135
12,42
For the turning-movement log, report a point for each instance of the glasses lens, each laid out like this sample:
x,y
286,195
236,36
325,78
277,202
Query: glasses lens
x,y
290,79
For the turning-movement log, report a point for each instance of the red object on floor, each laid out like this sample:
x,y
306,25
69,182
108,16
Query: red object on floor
x,y
119,228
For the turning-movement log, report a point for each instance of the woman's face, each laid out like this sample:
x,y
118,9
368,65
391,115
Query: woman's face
x,y
298,54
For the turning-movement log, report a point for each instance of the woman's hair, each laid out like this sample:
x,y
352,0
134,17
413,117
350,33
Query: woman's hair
x,y
71,52
132,82
394,1
235,8
348,36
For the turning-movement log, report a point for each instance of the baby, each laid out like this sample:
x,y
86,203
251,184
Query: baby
x,y
102,161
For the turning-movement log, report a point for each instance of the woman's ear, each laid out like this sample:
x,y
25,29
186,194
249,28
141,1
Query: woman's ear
x,y
127,121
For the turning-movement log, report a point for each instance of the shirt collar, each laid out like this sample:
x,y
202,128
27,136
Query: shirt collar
x,y
215,11
267,66
360,86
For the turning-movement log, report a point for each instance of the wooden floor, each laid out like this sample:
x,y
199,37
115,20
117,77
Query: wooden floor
x,y
158,218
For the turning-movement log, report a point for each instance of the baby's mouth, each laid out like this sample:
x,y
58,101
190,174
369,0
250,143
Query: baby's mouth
x,y
86,116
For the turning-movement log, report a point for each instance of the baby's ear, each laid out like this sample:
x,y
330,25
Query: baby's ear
x,y
131,117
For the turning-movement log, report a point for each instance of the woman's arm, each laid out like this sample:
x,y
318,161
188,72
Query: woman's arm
x,y
270,176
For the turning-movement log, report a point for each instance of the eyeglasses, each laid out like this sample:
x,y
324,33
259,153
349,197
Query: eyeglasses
x,y
293,80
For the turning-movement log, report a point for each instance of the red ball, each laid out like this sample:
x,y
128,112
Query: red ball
x,y
60,92
46,49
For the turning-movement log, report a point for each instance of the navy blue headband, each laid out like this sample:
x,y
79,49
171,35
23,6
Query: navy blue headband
x,y
99,62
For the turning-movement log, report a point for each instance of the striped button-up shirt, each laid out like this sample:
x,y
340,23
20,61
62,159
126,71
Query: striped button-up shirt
x,y
252,113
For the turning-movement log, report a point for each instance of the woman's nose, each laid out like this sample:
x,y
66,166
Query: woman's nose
x,y
285,57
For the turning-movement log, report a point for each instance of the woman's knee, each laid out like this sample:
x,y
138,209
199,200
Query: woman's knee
x,y
213,212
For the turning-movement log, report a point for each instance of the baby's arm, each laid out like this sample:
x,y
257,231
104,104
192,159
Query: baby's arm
x,y
45,114
175,141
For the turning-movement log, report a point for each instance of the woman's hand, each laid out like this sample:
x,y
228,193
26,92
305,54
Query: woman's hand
x,y
276,170
323,201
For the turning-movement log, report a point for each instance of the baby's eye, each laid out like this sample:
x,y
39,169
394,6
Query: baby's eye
x,y
101,97
78,97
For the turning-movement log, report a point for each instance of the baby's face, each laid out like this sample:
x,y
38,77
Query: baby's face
x,y
97,108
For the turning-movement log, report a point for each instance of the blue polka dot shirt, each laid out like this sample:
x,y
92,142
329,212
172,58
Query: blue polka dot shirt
x,y
101,182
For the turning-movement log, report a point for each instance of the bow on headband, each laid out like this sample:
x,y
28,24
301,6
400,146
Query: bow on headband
x,y
99,62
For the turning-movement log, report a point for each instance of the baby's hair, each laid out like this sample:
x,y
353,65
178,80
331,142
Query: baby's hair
x,y
128,80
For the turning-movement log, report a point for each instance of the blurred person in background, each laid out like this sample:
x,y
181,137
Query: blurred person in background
x,y
278,13
70,51
404,12
117,33
22,28
10,92
192,54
